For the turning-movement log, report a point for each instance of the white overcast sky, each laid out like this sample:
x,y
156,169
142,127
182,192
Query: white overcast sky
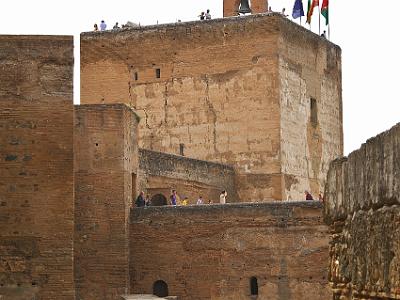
x,y
367,31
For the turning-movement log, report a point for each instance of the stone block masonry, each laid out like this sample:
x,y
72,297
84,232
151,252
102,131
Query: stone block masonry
x,y
259,93
36,168
106,166
363,211
274,251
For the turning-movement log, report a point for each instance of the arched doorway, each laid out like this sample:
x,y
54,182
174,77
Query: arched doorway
x,y
160,288
158,200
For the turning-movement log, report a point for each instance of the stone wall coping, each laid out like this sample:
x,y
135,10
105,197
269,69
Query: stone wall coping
x,y
121,106
146,152
226,20
36,37
278,208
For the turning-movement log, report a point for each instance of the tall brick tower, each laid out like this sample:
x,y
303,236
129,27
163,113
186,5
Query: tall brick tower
x,y
257,6
259,93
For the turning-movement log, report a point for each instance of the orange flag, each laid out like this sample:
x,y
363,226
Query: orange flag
x,y
311,5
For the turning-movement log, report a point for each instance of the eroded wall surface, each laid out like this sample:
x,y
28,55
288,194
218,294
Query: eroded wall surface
x,y
36,167
212,251
217,92
363,211
234,90
106,165
311,133
191,178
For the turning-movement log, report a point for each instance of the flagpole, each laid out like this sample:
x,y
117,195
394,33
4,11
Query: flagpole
x,y
329,30
319,19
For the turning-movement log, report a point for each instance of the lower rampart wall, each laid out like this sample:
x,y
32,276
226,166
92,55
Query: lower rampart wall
x,y
363,211
213,251
159,173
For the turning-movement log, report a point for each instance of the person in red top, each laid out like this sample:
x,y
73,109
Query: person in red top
x,y
308,195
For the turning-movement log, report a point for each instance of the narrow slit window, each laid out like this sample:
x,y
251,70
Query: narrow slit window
x,y
181,149
136,76
313,111
158,73
253,286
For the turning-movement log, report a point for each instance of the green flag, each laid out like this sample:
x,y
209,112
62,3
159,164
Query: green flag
x,y
325,11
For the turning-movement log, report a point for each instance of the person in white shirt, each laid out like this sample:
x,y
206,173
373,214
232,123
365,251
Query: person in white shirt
x,y
103,25
200,201
222,197
208,15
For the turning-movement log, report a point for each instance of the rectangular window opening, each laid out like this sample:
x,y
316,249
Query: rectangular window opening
x,y
158,73
313,112
136,76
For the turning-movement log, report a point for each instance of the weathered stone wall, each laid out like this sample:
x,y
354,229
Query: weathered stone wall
x,y
105,168
363,210
230,7
160,173
212,251
310,68
36,168
219,96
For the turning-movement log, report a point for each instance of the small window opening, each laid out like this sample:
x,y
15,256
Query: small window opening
x,y
253,286
160,288
181,149
313,112
136,76
158,73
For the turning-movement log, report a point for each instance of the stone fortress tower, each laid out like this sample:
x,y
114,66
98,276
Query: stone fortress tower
x,y
248,104
257,92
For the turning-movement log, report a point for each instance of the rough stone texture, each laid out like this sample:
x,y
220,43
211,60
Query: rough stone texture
x,y
363,211
160,172
230,7
36,168
309,67
105,157
212,251
232,90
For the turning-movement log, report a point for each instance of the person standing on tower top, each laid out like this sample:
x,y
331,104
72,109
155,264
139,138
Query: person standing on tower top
x,y
202,16
208,15
103,25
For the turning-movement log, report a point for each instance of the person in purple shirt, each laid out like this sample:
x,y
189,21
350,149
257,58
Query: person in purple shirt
x,y
103,25
173,197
